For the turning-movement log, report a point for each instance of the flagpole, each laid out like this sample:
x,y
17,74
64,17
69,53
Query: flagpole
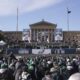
x,y
17,21
17,26
68,12
67,19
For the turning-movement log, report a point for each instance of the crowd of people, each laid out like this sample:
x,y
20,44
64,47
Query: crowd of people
x,y
39,68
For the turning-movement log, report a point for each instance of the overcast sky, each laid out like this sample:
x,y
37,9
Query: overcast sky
x,y
31,11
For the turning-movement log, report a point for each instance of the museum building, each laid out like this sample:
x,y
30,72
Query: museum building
x,y
43,31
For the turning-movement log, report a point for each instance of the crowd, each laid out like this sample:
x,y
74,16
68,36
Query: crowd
x,y
39,68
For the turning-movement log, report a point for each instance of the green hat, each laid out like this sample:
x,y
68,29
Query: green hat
x,y
30,67
4,65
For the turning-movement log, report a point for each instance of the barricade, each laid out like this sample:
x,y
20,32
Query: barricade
x,y
63,50
41,51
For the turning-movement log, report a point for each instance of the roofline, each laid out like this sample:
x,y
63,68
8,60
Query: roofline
x,y
11,31
71,31
42,21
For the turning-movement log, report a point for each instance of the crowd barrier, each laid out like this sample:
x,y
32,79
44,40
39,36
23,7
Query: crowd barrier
x,y
24,51
63,50
12,50
42,51
18,51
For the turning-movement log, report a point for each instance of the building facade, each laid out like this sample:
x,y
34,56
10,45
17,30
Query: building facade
x,y
12,36
71,36
42,31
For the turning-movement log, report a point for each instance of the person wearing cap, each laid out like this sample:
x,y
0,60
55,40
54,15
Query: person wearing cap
x,y
18,67
25,75
11,57
54,73
4,67
5,72
32,70
75,65
69,68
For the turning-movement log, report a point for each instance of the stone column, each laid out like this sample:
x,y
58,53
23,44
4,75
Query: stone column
x,y
34,35
51,35
37,36
48,36
31,34
41,35
45,36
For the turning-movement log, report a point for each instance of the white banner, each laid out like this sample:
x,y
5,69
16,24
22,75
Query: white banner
x,y
58,35
41,51
26,35
23,51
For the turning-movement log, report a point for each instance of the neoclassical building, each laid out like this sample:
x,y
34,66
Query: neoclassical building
x,y
42,31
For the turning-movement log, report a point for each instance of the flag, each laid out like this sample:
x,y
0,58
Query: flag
x,y
69,12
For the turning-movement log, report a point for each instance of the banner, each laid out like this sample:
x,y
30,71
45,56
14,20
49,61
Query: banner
x,y
58,34
18,51
41,51
63,51
26,35
23,51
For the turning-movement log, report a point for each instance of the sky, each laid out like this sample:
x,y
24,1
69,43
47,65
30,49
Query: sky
x,y
32,11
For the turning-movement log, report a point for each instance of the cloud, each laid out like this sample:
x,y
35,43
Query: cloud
x,y
8,7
